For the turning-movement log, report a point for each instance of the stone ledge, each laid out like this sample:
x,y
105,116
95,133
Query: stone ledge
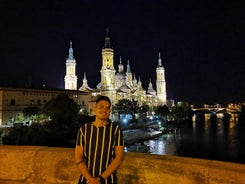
x,y
46,165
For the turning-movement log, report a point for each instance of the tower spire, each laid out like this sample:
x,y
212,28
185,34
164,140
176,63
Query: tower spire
x,y
107,40
85,81
128,67
70,56
159,60
120,66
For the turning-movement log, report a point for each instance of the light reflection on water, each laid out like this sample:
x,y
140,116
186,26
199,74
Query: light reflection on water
x,y
212,139
163,145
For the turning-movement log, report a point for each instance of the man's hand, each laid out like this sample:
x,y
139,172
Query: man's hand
x,y
93,180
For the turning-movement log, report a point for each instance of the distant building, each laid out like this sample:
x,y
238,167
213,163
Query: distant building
x,y
14,100
119,84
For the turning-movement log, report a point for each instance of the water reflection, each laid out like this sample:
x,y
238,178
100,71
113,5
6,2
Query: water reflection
x,y
208,136
163,145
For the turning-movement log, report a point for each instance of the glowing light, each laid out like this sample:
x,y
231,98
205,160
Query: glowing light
x,y
124,120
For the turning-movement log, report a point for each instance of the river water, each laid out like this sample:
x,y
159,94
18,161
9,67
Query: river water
x,y
205,138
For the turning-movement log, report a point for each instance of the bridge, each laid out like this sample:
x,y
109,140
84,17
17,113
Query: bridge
x,y
216,110
219,112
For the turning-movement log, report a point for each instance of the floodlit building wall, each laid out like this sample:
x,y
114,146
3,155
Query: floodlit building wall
x,y
14,100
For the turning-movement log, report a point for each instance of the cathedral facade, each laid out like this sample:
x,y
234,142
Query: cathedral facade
x,y
118,84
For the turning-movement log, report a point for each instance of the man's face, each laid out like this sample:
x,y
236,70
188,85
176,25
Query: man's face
x,y
102,110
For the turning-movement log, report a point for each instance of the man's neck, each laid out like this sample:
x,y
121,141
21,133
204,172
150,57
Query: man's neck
x,y
100,123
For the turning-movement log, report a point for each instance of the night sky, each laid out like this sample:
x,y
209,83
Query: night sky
x,y
202,43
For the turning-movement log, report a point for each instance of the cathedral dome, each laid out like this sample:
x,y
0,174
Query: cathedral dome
x,y
151,92
120,76
150,89
124,87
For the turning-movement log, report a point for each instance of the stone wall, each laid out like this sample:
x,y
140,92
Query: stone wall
x,y
46,165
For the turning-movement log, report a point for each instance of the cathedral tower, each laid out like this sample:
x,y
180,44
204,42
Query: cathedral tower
x,y
70,77
129,76
107,71
161,83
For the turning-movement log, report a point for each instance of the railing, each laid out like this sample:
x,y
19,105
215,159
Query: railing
x,y
46,165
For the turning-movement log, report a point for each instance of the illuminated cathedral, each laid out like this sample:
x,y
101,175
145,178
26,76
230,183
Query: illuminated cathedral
x,y
118,84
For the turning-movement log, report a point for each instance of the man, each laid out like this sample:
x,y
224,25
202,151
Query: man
x,y
99,147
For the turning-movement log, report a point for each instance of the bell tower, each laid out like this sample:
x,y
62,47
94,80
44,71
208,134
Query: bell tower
x,y
108,71
161,83
70,77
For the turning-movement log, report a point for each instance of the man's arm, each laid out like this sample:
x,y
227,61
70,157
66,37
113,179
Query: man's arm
x,y
117,161
82,166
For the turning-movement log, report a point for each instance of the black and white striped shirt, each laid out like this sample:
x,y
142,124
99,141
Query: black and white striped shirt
x,y
99,147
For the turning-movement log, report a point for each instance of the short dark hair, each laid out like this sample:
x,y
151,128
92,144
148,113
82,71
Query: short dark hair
x,y
101,97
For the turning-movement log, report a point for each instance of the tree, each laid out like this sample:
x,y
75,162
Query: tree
x,y
144,108
126,106
122,106
178,112
32,113
61,131
162,111
62,109
182,112
31,110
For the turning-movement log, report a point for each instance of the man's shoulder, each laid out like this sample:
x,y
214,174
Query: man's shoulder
x,y
115,124
86,124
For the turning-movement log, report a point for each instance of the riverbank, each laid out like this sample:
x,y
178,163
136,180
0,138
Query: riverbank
x,y
138,135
